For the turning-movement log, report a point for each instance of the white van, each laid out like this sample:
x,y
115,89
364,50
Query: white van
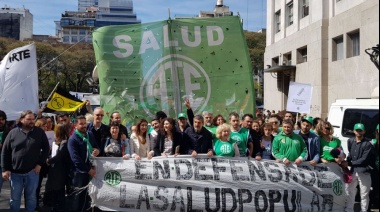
x,y
345,113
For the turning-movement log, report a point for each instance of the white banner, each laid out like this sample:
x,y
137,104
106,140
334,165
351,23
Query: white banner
x,y
215,184
19,81
299,97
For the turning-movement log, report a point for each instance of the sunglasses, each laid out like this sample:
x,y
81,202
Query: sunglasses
x,y
275,122
327,128
99,115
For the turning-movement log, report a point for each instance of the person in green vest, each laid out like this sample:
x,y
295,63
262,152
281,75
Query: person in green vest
x,y
240,135
224,146
289,147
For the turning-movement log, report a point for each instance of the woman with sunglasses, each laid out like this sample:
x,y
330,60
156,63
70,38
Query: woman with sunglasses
x,y
275,121
329,143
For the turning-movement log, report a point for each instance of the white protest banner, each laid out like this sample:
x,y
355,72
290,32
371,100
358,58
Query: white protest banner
x,y
215,184
299,97
19,81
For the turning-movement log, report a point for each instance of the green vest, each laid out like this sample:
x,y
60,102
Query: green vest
x,y
225,149
241,139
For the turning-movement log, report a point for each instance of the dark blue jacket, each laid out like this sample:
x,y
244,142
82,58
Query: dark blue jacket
x,y
313,147
78,152
100,135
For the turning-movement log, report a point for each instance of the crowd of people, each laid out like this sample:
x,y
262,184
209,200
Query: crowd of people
x,y
28,154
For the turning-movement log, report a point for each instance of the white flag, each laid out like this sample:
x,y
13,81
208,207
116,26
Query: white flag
x,y
19,81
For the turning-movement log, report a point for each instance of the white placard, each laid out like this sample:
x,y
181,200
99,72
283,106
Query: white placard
x,y
299,97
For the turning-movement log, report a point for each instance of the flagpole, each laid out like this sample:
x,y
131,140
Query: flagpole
x,y
55,88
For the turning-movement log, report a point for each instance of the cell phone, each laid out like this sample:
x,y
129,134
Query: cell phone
x,y
177,150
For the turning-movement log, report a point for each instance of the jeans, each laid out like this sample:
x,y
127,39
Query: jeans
x,y
27,182
364,181
80,201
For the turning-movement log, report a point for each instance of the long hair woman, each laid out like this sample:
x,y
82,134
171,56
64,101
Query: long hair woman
x,y
140,143
59,168
170,141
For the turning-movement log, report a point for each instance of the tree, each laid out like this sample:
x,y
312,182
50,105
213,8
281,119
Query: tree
x,y
68,64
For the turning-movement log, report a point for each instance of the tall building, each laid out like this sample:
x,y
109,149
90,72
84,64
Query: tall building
x,y
321,43
115,12
77,26
219,10
84,4
16,23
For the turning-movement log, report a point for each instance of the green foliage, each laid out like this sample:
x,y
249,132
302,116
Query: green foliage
x,y
70,65
256,43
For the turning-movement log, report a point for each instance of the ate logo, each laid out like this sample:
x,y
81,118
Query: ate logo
x,y
169,80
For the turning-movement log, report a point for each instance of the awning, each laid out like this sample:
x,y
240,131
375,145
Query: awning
x,y
279,69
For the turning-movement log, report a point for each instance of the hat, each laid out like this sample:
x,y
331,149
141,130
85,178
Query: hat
x,y
359,126
308,119
182,115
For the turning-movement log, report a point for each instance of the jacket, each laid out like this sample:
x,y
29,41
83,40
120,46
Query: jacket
x,y
78,152
59,168
179,139
100,135
290,147
361,155
202,142
313,147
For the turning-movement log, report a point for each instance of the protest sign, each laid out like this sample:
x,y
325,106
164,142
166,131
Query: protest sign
x,y
215,184
299,97
145,68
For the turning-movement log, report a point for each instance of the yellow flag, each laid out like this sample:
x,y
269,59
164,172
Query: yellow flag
x,y
64,102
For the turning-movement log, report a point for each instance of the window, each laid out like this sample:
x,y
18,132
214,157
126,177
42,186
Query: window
x,y
275,61
65,39
278,21
370,119
287,60
82,31
74,39
290,13
353,44
305,8
74,31
302,55
337,48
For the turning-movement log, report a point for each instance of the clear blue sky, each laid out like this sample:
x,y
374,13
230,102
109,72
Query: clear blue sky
x,y
45,12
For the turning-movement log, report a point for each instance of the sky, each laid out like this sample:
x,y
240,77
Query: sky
x,y
45,12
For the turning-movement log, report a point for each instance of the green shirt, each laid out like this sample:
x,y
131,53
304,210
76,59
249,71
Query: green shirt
x,y
225,149
327,146
241,139
212,131
290,147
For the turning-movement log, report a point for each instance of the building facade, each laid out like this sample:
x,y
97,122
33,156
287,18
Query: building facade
x,y
77,26
220,10
16,23
322,43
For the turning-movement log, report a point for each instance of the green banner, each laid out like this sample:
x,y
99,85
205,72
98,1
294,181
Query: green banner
x,y
149,67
